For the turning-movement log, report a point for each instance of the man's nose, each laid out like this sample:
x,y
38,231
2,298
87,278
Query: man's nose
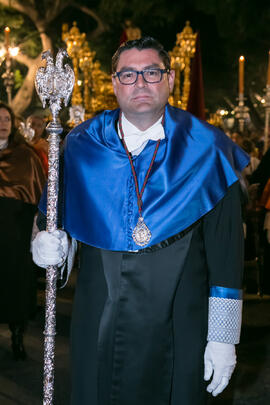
x,y
140,81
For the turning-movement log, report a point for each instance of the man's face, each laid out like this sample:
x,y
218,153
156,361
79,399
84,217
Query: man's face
x,y
5,124
142,97
38,125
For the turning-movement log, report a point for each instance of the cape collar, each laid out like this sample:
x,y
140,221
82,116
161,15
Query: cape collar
x,y
195,165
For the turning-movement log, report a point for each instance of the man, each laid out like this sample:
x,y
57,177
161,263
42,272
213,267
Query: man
x,y
40,144
153,195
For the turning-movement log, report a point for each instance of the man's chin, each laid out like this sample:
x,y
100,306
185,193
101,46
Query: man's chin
x,y
142,106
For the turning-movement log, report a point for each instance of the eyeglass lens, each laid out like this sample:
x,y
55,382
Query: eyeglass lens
x,y
149,75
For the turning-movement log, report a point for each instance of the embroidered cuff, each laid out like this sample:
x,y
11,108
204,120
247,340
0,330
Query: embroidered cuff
x,y
225,315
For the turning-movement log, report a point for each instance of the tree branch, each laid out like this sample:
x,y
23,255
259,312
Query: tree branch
x,y
56,9
24,59
22,7
102,27
23,97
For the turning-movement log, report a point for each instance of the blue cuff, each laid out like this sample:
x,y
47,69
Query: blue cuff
x,y
224,292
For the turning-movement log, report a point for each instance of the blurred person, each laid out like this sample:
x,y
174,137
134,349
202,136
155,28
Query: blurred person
x,y
237,138
264,202
21,182
39,143
251,215
260,179
254,162
262,173
130,32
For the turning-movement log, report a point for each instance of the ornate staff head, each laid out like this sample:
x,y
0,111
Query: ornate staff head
x,y
54,82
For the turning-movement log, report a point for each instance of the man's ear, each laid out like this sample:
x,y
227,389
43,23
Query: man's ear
x,y
171,77
114,83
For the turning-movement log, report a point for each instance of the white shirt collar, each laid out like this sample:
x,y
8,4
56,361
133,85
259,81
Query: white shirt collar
x,y
136,139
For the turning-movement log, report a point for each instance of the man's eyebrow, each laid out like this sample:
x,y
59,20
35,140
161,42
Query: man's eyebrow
x,y
152,66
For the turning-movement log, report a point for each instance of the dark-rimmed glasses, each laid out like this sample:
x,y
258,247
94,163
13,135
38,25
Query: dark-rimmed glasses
x,y
149,75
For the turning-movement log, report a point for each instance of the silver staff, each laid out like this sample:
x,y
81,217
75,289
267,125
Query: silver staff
x,y
54,83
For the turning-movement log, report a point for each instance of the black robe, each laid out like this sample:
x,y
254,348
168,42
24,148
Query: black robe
x,y
21,182
18,280
139,324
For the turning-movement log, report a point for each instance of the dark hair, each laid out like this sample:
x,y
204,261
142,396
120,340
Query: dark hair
x,y
15,138
140,44
247,145
12,117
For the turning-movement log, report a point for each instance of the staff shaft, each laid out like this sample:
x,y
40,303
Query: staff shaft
x,y
54,129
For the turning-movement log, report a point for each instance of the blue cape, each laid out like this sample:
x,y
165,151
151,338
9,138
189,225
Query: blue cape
x,y
194,166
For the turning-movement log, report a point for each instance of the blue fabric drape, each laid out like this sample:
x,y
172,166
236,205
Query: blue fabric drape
x,y
194,166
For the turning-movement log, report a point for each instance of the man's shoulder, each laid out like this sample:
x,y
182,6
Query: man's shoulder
x,y
200,131
94,126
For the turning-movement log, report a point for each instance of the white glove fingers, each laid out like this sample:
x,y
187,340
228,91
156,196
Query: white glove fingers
x,y
221,386
50,248
217,377
222,358
50,240
213,385
208,370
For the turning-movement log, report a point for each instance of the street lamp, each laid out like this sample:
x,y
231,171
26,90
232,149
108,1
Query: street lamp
x,y
7,53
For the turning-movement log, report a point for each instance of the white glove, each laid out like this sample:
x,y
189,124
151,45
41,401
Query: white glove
x,y
50,249
220,359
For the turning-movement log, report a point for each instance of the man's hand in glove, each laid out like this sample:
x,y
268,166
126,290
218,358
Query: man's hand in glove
x,y
219,361
50,249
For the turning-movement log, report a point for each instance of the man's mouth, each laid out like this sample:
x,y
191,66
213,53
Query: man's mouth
x,y
140,97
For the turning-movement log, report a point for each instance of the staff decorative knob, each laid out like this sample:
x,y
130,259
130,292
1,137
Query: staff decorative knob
x,y
54,84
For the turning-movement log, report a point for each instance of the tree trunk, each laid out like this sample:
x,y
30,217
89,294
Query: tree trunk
x,y
23,97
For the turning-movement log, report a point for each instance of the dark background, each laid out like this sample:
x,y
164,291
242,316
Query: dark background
x,y
228,29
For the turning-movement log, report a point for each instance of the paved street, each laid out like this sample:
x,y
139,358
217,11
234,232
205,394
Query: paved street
x,y
21,382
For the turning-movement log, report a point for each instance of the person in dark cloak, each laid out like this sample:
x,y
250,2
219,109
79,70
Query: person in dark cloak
x,y
153,195
261,178
21,182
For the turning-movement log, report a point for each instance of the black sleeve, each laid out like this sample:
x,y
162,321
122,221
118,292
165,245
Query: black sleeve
x,y
224,241
41,221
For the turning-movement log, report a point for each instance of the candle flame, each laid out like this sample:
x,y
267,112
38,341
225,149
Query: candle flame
x,y
242,58
7,29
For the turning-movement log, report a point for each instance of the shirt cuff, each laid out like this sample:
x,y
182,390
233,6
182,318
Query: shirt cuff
x,y
225,315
